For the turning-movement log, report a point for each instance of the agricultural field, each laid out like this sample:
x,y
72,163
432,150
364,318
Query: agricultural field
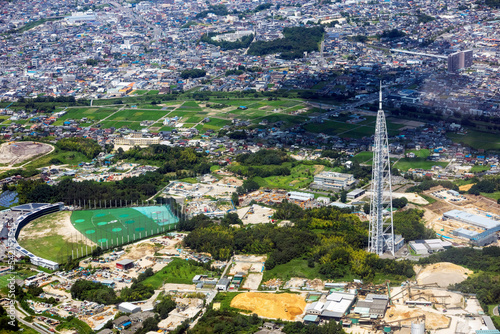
x,y
178,271
91,113
339,128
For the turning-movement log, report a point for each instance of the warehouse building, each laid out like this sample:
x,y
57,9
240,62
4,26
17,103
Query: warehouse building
x,y
373,306
300,196
125,264
128,308
336,306
429,246
355,193
471,219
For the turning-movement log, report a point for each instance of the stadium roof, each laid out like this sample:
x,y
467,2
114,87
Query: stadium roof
x,y
28,207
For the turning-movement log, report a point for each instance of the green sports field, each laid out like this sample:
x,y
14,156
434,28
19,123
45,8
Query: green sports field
x,y
112,227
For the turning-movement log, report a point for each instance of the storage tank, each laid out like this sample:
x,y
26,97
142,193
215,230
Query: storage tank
x,y
418,327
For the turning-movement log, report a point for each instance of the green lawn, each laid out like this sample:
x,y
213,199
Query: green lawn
x,y
477,139
41,238
294,268
423,153
407,163
428,198
495,195
65,157
301,176
225,299
478,168
178,271
363,157
4,280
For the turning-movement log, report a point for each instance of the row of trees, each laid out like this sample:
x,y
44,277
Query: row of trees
x,y
264,157
428,183
70,192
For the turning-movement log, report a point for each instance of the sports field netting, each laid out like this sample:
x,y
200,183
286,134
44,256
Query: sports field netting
x,y
112,227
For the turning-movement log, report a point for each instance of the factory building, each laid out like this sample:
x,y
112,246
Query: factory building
x,y
429,246
125,264
471,219
300,196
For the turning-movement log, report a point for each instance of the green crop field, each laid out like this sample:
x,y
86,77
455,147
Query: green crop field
x,y
93,114
112,227
120,124
138,115
178,271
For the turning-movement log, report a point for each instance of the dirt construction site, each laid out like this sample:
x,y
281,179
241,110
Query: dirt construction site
x,y
477,205
444,311
17,152
270,305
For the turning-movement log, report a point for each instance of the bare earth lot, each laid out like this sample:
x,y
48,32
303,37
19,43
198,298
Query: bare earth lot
x,y
443,273
17,152
270,305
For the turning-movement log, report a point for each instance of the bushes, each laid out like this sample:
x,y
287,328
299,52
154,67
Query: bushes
x,y
297,41
96,292
89,147
409,224
194,73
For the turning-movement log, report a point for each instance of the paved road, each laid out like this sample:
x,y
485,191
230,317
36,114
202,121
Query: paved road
x,y
211,295
20,314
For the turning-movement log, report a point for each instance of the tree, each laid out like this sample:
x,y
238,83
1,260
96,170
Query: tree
x,y
231,219
235,198
399,203
343,196
164,307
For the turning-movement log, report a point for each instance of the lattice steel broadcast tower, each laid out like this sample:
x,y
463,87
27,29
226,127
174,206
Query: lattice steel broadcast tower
x,y
381,234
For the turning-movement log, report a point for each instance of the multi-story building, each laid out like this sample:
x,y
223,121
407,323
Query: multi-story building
x,y
333,180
